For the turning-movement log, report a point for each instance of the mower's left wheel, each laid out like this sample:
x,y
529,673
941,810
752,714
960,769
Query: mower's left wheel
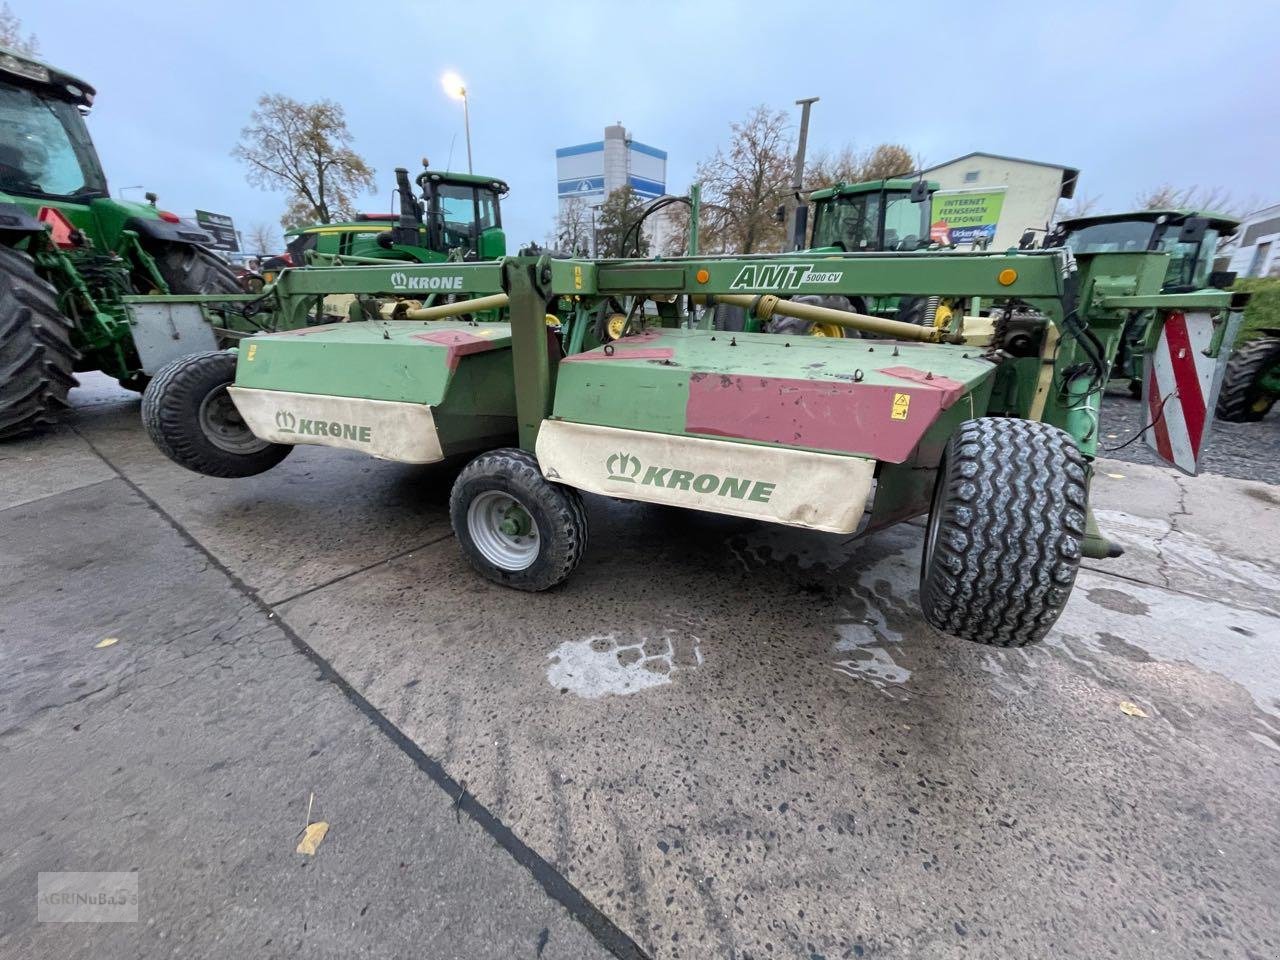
x,y
1005,531
192,420
516,527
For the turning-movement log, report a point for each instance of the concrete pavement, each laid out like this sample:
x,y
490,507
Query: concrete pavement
x,y
726,739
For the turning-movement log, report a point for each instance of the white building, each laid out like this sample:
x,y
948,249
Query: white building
x,y
1255,249
587,173
992,199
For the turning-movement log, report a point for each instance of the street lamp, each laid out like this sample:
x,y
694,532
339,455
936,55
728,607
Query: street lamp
x,y
457,89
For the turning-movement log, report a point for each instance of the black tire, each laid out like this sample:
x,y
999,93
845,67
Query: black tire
x,y
192,269
1005,531
728,318
557,513
912,310
190,417
1242,399
36,355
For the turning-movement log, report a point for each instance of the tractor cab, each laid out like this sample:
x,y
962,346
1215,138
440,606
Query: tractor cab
x,y
463,214
1190,237
872,216
45,149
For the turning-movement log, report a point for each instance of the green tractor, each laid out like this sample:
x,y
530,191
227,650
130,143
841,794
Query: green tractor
x,y
870,217
458,217
1251,383
1190,238
69,254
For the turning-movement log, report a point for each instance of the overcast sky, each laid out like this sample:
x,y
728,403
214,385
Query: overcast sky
x,y
1132,93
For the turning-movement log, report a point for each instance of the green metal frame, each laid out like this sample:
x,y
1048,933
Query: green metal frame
x,y
1099,294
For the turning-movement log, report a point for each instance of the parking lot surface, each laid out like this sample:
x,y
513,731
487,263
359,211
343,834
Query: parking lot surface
x,y
718,738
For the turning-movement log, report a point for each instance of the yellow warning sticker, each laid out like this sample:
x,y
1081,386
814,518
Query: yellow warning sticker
x,y
901,404
577,278
253,349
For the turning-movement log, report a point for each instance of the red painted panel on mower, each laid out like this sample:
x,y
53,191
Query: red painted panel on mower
x,y
866,419
870,398
457,343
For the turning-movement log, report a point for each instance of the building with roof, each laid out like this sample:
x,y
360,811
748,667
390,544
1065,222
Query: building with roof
x,y
1255,249
989,199
588,172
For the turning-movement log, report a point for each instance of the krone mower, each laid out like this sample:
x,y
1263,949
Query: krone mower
x,y
846,435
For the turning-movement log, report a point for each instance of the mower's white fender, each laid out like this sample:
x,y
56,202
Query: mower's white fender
x,y
819,491
388,429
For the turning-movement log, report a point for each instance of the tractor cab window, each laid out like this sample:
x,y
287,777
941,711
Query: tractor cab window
x,y
463,212
906,224
847,222
1121,236
1189,263
45,148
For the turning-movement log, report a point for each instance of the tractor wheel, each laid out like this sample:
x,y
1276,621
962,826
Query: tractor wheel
x,y
1005,530
516,527
1245,396
728,318
190,417
36,355
191,269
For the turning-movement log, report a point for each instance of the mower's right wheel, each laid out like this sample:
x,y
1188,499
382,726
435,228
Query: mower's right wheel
x,y
516,527
1005,531
192,419
36,355
1244,398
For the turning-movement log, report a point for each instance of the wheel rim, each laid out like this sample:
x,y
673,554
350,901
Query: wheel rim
x,y
616,326
223,426
503,531
826,330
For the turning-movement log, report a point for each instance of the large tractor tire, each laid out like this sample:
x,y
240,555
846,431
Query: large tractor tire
x,y
191,269
516,527
1005,531
36,355
190,417
1246,397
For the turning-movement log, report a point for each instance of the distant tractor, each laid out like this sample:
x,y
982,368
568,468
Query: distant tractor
x,y
69,253
1251,383
458,217
869,217
1190,238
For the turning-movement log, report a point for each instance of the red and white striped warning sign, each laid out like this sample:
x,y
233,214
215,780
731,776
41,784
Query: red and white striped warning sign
x,y
1181,386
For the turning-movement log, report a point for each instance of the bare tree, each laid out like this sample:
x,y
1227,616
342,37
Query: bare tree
x,y
573,227
1080,206
11,33
744,183
848,166
305,149
263,238
1168,197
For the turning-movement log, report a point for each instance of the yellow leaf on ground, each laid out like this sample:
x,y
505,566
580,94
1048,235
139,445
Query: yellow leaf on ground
x,y
312,837
1132,709
106,642
1116,476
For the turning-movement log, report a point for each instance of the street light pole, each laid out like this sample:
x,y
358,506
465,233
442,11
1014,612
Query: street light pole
x,y
466,121
456,88
796,225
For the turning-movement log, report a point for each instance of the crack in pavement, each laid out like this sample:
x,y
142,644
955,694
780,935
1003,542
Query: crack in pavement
x,y
553,883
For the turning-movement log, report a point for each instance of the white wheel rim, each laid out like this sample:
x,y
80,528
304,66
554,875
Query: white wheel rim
x,y
503,530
